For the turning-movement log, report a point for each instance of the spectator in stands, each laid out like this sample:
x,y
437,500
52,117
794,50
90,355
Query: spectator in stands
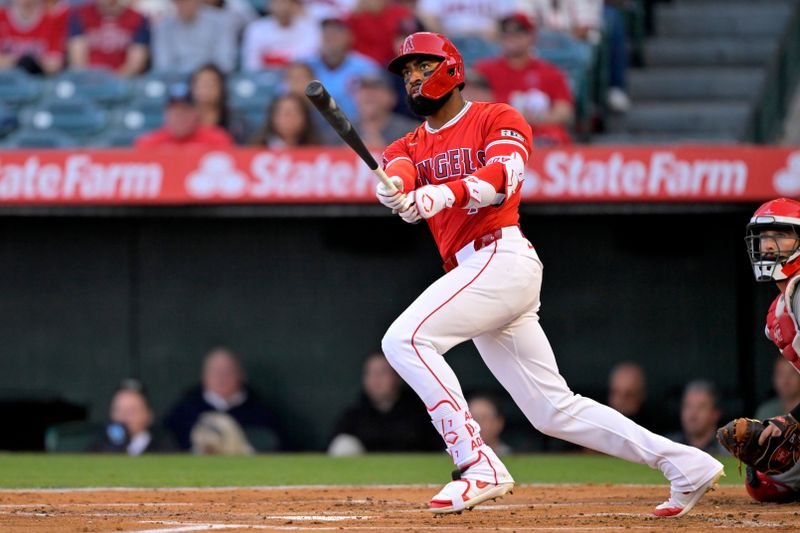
x,y
786,382
240,13
386,418
296,77
536,88
464,18
109,34
376,25
130,428
485,409
210,95
320,10
287,35
338,67
613,19
581,19
627,390
377,124
32,37
288,124
195,35
700,415
182,126
222,390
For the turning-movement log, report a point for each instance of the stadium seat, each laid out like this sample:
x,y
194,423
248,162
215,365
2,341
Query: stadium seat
x,y
153,87
115,138
76,116
8,120
99,85
18,88
475,48
32,138
253,91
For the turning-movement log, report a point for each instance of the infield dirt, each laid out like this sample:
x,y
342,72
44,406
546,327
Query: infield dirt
x,y
365,508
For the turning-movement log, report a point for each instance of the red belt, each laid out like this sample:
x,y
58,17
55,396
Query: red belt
x,y
481,242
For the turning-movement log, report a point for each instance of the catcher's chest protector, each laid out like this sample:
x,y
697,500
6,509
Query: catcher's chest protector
x,y
782,328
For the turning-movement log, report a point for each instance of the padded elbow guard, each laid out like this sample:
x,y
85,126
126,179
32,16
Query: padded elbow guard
x,y
481,193
514,171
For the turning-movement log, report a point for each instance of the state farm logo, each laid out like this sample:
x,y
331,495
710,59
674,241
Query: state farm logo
x,y
217,176
787,180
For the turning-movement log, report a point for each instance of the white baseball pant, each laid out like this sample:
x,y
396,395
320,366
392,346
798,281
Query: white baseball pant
x,y
493,299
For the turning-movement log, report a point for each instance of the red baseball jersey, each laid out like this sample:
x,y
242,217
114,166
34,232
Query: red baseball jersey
x,y
108,37
460,148
45,37
512,86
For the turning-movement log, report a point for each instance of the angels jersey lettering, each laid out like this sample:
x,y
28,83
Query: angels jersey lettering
x,y
480,132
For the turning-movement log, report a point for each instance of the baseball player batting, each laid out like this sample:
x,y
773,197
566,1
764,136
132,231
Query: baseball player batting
x,y
771,448
461,172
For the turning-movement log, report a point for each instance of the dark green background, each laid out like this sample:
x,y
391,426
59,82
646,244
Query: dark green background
x,y
88,300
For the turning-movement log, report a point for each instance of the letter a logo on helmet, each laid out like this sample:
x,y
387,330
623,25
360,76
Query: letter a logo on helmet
x,y
446,77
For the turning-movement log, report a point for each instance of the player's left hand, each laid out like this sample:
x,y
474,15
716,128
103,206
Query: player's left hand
x,y
431,199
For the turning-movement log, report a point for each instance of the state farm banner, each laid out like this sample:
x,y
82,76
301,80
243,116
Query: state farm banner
x,y
336,175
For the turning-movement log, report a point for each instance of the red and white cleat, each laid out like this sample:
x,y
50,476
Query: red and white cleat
x,y
486,478
465,494
680,503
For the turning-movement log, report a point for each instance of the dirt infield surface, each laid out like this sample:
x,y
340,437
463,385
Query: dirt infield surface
x,y
530,508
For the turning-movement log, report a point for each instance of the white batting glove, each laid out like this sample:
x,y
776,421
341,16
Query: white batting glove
x,y
393,199
431,199
410,215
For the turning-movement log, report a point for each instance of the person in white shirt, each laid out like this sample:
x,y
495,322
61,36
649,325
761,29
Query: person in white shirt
x,y
464,18
287,35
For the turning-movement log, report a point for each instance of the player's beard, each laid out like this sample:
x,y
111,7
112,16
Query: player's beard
x,y
425,107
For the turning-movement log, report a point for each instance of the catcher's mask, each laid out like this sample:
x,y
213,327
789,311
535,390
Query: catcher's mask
x,y
771,262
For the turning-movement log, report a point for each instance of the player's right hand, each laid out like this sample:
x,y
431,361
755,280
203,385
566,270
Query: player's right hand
x,y
393,199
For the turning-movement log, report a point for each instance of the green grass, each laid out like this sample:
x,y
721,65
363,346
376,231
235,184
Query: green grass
x,y
45,471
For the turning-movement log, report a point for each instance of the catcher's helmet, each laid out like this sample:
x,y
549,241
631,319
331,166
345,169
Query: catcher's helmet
x,y
446,77
774,264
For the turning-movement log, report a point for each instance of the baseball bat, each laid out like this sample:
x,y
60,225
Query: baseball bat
x,y
326,105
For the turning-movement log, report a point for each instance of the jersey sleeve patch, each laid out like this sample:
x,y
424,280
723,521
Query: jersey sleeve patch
x,y
513,134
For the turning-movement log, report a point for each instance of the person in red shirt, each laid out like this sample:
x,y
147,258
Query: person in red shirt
x,y
461,171
537,89
107,33
376,24
32,37
182,126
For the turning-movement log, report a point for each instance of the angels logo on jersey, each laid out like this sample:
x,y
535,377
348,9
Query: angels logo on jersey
x,y
455,163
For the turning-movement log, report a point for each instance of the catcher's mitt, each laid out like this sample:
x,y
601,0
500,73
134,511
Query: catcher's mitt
x,y
776,456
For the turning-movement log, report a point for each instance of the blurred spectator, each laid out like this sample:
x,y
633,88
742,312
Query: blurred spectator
x,y
109,34
581,19
296,76
536,88
627,390
376,25
617,97
338,67
485,409
195,35
700,416
385,419
377,124
240,13
476,88
32,37
182,125
223,390
288,124
130,428
786,382
320,10
463,18
210,95
287,35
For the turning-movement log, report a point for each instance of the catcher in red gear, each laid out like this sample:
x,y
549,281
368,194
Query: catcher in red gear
x,y
771,448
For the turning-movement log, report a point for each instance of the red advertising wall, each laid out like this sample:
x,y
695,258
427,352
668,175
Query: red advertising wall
x,y
336,175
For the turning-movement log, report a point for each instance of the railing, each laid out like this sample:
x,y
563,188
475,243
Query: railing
x,y
780,81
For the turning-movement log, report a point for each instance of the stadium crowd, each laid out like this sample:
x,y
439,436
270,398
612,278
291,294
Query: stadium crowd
x,y
123,62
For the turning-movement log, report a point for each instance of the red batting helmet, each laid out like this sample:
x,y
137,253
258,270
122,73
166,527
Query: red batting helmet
x,y
780,214
446,77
